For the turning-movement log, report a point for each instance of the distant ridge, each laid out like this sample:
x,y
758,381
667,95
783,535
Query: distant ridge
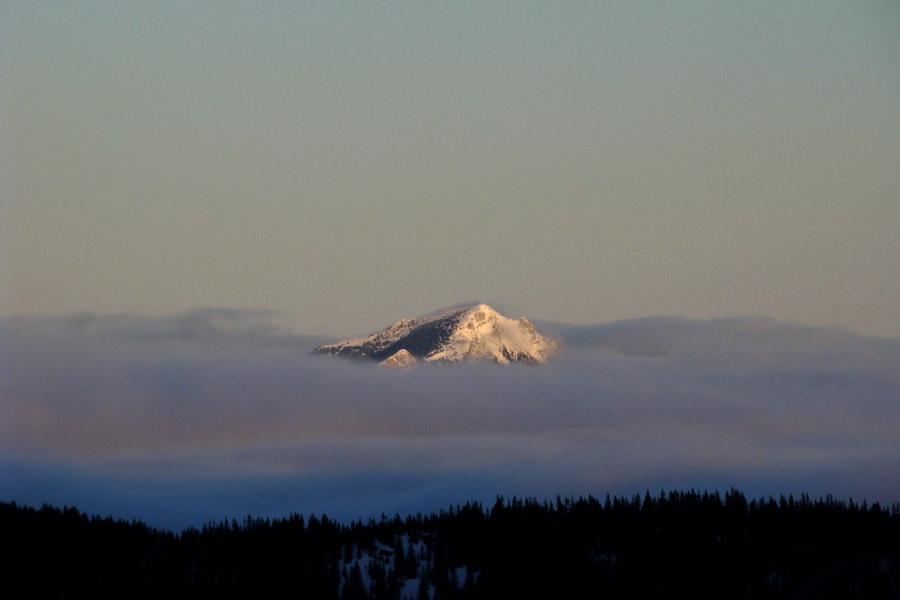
x,y
475,332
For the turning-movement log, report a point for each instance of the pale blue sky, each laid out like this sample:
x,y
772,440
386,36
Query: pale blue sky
x,y
350,164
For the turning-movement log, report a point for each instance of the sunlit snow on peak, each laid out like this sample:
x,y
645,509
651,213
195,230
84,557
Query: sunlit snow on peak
x,y
475,332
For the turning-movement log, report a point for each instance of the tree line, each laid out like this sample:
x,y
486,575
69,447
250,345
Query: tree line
x,y
698,544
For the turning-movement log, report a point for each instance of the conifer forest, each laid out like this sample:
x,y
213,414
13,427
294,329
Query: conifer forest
x,y
687,544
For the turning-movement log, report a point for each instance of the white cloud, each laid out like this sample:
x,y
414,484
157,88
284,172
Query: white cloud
x,y
121,415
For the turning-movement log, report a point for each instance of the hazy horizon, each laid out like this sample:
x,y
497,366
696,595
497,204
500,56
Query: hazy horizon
x,y
215,414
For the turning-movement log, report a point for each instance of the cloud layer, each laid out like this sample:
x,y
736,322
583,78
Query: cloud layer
x,y
217,413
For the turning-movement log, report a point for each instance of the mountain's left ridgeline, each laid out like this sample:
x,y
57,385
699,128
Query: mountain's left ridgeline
x,y
471,333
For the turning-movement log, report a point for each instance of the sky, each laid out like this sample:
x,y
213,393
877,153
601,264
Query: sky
x,y
700,200
350,164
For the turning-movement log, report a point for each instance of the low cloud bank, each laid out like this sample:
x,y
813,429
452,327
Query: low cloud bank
x,y
217,413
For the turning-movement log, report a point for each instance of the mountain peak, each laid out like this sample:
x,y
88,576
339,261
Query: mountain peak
x,y
399,360
475,332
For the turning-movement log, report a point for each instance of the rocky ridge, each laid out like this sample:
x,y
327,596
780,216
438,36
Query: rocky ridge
x,y
472,333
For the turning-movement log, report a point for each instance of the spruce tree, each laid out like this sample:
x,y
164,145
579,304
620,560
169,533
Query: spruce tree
x,y
354,589
423,593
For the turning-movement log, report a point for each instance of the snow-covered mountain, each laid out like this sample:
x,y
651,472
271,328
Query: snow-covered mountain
x,y
475,332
